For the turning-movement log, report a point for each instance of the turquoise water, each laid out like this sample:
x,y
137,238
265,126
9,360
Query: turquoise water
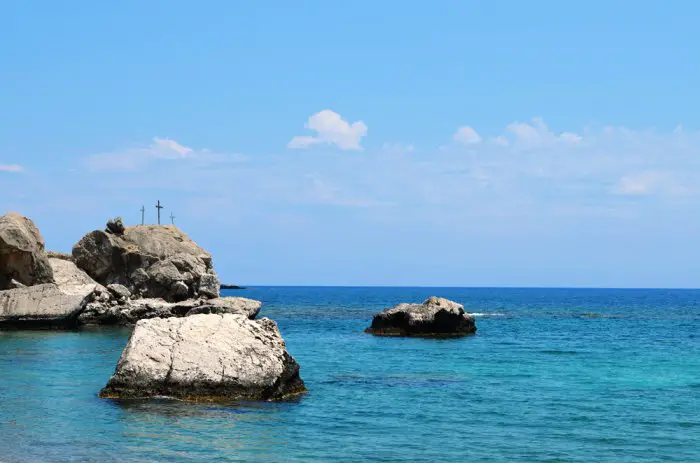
x,y
552,375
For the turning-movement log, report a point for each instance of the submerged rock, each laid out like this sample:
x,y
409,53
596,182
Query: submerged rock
x,y
22,255
152,261
205,358
435,317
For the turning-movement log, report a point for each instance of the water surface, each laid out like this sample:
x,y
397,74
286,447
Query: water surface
x,y
552,375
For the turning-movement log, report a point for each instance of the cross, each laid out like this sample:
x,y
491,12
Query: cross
x,y
172,218
159,207
143,212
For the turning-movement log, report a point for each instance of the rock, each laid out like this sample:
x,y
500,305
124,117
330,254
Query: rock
x,y
147,259
15,284
66,273
435,317
209,286
104,311
50,304
59,255
43,305
128,312
205,358
233,305
22,256
230,286
115,226
179,291
119,291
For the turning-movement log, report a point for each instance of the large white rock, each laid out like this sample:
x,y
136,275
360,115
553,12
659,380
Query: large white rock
x,y
52,303
205,358
43,304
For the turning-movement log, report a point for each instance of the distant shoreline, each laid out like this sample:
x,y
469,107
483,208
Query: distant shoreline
x,y
232,287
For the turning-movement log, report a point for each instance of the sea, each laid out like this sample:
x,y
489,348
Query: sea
x,y
552,375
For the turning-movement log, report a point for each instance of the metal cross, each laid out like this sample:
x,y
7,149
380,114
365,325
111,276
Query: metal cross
x,y
172,218
143,212
159,207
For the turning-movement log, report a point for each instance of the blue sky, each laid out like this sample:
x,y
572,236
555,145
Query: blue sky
x,y
455,143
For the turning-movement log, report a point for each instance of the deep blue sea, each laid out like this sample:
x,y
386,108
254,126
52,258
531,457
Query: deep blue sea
x,y
552,375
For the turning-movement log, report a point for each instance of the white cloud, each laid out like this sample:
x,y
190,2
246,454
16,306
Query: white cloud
x,y
159,150
638,184
322,192
538,135
331,129
168,147
14,168
467,136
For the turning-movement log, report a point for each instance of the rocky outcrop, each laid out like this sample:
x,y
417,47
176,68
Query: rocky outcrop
x,y
435,317
151,261
52,304
205,358
22,256
112,310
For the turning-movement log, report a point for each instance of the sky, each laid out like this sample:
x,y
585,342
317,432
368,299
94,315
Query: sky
x,y
442,143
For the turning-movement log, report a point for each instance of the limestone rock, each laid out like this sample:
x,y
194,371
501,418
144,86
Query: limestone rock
x,y
115,226
209,286
14,284
43,305
66,273
178,291
435,317
106,311
148,259
205,358
22,256
59,255
233,305
119,291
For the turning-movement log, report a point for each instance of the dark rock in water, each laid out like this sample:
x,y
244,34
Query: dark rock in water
x,y
152,261
115,226
205,358
226,286
22,255
435,317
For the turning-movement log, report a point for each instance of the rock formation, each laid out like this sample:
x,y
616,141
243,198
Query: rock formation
x,y
108,309
51,304
22,256
151,261
435,317
125,275
205,358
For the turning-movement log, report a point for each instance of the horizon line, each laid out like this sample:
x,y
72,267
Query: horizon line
x,y
675,288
